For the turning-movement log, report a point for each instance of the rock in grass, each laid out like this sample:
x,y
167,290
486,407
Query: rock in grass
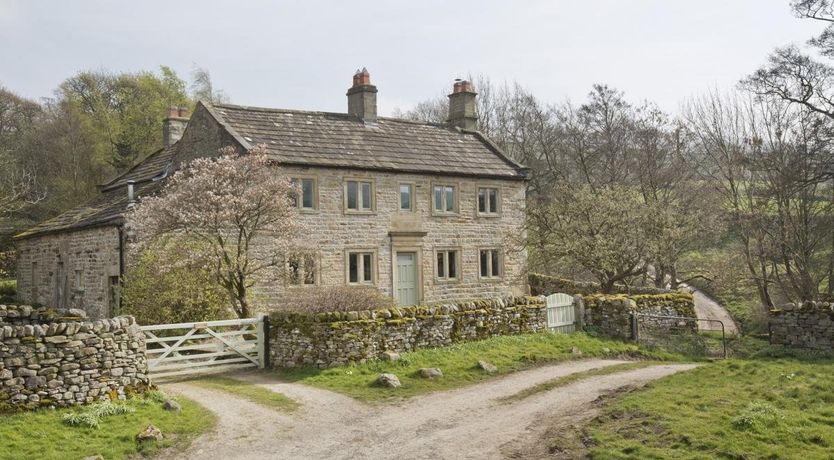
x,y
575,351
488,367
606,350
389,380
171,405
430,372
94,457
151,433
390,356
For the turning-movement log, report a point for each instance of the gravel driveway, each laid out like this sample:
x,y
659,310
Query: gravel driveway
x,y
464,423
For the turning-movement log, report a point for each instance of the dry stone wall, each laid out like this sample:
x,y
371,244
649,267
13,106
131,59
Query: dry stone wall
x,y
54,359
546,285
335,338
611,314
808,325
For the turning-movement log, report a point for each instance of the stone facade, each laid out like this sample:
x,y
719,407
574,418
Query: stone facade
x,y
330,233
48,359
335,338
74,269
809,325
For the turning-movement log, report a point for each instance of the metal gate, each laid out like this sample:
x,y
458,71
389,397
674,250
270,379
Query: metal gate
x,y
185,349
561,313
680,334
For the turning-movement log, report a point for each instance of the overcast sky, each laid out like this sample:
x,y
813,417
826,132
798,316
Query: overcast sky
x,y
302,54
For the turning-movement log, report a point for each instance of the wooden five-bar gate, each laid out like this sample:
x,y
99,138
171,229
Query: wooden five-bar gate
x,y
185,349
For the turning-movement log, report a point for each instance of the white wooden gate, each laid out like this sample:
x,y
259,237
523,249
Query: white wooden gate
x,y
561,314
184,349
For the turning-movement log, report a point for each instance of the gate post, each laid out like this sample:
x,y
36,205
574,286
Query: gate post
x,y
579,313
634,330
263,340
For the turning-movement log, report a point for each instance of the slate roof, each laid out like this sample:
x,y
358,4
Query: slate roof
x,y
109,206
340,140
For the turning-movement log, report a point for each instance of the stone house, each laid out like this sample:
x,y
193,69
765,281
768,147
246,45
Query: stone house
x,y
424,212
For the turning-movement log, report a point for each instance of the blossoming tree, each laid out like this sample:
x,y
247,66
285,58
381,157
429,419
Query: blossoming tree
x,y
235,212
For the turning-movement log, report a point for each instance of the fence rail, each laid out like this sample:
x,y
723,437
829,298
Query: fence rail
x,y
186,349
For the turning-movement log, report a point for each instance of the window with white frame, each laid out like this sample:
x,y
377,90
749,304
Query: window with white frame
x,y
490,261
301,269
305,198
359,195
446,265
488,198
360,268
445,199
406,197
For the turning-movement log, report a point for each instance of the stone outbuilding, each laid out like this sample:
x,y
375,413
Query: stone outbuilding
x,y
424,212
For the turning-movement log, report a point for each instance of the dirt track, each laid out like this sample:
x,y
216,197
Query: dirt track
x,y
707,308
465,423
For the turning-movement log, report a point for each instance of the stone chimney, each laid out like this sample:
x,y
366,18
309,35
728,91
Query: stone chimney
x,y
174,125
462,107
362,97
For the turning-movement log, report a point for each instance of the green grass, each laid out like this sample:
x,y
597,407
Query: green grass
x,y
8,290
570,378
45,436
734,409
254,393
459,364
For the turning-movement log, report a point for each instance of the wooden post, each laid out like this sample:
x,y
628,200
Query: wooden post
x,y
263,340
634,334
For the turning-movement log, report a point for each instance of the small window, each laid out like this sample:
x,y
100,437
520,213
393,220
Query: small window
x,y
447,265
79,280
490,263
301,269
406,197
444,199
360,268
307,193
359,195
487,201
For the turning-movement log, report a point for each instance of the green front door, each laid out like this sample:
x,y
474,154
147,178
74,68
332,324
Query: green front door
x,y
406,278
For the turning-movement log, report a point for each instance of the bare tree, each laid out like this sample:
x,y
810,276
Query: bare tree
x,y
202,87
769,159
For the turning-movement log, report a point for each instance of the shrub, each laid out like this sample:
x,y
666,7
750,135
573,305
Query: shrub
x,y
182,294
8,291
757,416
92,415
336,298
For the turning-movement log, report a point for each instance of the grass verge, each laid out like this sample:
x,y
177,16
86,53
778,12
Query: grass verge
x,y
735,409
570,378
246,390
45,436
459,364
